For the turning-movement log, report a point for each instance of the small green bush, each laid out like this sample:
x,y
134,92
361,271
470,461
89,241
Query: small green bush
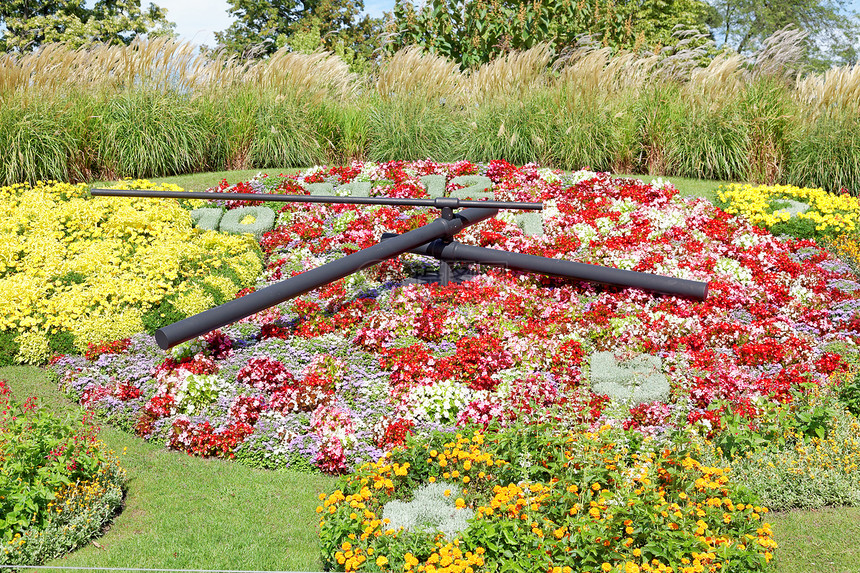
x,y
36,138
58,483
827,154
517,131
284,136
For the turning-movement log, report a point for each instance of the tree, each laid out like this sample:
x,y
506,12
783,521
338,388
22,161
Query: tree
x,y
473,32
262,26
832,34
30,23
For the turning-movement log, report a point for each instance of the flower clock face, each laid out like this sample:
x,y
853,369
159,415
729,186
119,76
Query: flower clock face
x,y
342,374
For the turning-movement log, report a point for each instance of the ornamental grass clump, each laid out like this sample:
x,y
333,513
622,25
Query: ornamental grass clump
x,y
76,270
59,485
605,500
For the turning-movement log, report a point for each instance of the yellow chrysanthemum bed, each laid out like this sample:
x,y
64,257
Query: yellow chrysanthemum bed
x,y
797,211
536,500
76,270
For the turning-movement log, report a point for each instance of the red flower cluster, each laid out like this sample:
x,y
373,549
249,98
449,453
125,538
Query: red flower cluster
x,y
266,374
395,433
203,440
106,347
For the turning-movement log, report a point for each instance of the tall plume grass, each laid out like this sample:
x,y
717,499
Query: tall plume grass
x,y
511,74
159,106
415,73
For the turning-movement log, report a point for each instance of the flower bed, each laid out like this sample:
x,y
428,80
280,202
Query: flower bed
x,y
538,500
338,376
76,270
795,211
58,484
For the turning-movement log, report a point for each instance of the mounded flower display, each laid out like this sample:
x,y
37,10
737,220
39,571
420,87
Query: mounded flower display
x,y
339,376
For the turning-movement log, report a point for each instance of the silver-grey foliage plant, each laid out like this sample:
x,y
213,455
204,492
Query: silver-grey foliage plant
x,y
637,379
430,510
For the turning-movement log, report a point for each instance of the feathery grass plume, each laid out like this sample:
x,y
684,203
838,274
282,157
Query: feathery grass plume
x,y
836,89
315,75
511,74
780,55
591,69
419,75
722,79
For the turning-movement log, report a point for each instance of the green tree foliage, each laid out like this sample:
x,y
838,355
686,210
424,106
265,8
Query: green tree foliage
x,y
261,27
833,33
473,32
27,24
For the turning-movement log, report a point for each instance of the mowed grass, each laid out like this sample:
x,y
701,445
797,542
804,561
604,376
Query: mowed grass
x,y
203,181
818,540
687,187
183,512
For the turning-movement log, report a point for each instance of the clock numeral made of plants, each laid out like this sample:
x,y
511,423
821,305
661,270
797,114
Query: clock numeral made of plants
x,y
260,219
434,239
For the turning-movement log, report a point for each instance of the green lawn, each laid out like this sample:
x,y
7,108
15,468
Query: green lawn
x,y
202,181
185,512
688,187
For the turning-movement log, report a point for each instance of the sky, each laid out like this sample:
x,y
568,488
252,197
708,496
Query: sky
x,y
198,20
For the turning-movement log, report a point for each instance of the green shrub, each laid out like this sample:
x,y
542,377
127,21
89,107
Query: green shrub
x,y
827,154
658,110
37,138
341,127
230,118
770,115
598,133
8,347
709,143
517,131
